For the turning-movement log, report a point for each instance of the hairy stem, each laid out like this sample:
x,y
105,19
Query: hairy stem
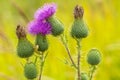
x,y
78,59
41,65
42,60
92,72
64,41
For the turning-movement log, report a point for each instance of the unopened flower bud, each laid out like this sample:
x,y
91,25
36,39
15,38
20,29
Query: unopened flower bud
x,y
42,42
30,71
57,26
84,76
94,57
24,47
79,27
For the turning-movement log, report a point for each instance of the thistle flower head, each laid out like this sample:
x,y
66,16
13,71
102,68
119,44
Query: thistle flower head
x,y
35,27
45,12
40,25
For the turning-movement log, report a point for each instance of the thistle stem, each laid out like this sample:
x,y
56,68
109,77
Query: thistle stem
x,y
92,72
42,61
27,59
78,59
36,57
64,41
41,65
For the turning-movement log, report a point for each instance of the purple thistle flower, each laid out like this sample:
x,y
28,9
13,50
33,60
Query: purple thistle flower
x,y
45,12
35,27
39,25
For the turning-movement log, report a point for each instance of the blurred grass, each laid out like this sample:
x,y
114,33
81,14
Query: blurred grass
x,y
102,17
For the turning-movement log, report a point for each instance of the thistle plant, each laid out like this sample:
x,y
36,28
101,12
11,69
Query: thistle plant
x,y
79,31
44,23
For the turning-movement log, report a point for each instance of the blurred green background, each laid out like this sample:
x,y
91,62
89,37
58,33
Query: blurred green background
x,y
102,17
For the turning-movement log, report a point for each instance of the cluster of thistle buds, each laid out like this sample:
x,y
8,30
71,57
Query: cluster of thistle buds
x,y
45,23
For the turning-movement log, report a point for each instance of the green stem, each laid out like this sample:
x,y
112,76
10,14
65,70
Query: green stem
x,y
42,60
41,65
36,57
27,59
92,72
78,59
64,41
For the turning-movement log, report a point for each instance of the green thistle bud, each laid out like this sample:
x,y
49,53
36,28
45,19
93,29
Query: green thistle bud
x,y
57,26
30,71
24,48
79,28
42,42
93,57
84,76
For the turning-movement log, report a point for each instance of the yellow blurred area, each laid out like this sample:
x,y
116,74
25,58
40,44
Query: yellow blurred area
x,y
102,17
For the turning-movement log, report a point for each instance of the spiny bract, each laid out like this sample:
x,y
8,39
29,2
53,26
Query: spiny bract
x,y
24,48
79,29
93,57
42,42
57,26
84,76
